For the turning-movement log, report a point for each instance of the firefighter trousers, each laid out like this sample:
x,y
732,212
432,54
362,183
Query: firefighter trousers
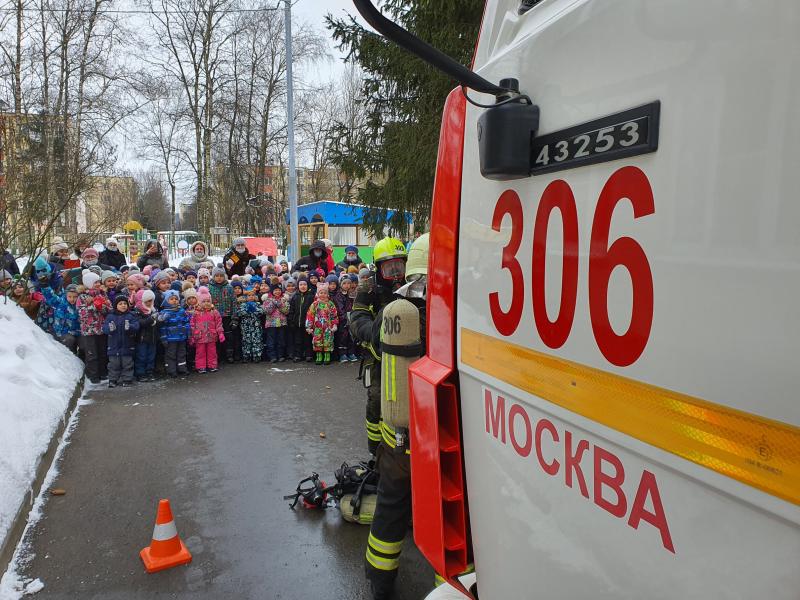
x,y
392,514
373,420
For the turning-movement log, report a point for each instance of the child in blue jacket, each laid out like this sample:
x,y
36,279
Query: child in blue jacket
x,y
174,330
120,326
66,323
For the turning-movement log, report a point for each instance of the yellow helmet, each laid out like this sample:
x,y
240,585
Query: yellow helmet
x,y
417,263
388,248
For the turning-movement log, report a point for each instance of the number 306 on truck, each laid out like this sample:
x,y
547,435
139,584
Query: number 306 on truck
x,y
609,406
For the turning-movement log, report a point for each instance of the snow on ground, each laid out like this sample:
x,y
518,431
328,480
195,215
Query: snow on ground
x,y
14,586
38,378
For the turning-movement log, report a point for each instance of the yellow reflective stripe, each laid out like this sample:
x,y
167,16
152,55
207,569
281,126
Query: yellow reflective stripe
x,y
385,547
393,360
369,347
388,435
383,564
373,431
756,451
389,441
385,375
438,580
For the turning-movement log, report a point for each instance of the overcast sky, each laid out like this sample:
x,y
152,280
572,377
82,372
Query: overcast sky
x,y
312,12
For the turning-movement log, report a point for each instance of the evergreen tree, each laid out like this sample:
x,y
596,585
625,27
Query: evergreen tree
x,y
403,97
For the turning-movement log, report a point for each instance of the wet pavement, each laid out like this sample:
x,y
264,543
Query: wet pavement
x,y
224,448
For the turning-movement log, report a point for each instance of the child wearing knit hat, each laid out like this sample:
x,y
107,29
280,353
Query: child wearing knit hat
x,y
190,304
222,296
249,316
322,321
203,276
190,277
206,325
276,308
346,347
144,360
300,341
174,330
121,327
93,305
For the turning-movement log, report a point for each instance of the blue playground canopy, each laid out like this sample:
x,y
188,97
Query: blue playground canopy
x,y
335,213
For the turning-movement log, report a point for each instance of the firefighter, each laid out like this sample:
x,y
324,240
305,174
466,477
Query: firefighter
x,y
373,293
399,333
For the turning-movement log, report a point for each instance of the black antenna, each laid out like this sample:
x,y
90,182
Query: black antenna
x,y
425,51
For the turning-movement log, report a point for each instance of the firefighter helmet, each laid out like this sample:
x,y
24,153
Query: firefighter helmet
x,y
388,248
417,263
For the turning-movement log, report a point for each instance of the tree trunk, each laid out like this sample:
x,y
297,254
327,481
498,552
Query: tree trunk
x,y
18,62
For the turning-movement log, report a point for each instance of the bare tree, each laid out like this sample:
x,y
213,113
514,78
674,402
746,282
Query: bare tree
x,y
322,107
346,132
162,135
252,113
70,85
193,34
151,200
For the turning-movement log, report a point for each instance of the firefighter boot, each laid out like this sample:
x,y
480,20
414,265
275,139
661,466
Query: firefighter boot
x,y
382,590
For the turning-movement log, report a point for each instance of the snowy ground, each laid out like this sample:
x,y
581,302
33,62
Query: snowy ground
x,y
39,377
13,586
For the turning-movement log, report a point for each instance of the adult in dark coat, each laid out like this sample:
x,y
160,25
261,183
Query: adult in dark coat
x,y
153,255
351,259
111,256
317,258
237,258
7,262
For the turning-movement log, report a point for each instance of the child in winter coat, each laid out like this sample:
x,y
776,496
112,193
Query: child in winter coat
x,y
66,323
161,284
345,344
321,323
222,296
25,298
144,360
190,305
93,306
203,277
174,331
276,308
121,327
206,324
298,309
249,315
110,281
313,281
234,336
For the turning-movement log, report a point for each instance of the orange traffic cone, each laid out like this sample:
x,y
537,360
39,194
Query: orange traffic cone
x,y
166,550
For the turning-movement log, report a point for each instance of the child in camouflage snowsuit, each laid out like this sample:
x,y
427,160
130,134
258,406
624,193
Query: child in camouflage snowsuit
x,y
249,315
321,323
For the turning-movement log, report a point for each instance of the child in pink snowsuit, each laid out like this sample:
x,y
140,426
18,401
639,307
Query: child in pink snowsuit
x,y
206,325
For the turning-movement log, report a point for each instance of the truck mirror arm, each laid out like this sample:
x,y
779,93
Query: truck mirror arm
x,y
425,51
505,130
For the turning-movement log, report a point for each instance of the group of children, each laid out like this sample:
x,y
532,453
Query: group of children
x,y
127,324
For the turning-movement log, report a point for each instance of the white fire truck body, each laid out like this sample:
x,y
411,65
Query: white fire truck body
x,y
628,330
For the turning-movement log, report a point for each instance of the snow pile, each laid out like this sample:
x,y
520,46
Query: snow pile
x,y
14,585
37,378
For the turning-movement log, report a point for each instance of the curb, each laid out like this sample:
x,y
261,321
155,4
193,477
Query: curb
x,y
9,545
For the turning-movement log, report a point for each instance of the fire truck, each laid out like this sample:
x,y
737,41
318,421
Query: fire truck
x,y
608,405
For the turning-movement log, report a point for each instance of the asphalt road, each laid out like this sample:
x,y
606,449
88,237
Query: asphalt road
x,y
224,448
